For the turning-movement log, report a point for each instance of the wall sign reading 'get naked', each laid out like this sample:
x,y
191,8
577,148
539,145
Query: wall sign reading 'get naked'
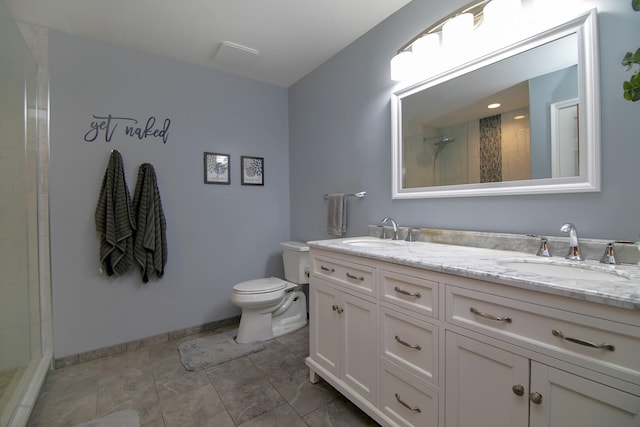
x,y
106,126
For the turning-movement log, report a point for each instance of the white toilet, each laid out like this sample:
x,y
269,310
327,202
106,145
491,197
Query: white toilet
x,y
272,307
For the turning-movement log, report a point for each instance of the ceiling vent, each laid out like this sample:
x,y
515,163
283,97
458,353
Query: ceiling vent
x,y
235,55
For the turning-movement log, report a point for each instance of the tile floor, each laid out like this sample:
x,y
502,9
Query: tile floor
x,y
8,379
268,388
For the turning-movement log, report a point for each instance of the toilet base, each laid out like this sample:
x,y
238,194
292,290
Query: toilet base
x,y
292,319
254,327
265,326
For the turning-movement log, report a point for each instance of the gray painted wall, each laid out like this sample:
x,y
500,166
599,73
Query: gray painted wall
x,y
340,140
217,235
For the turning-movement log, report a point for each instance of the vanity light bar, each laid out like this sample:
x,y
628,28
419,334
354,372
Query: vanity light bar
x,y
452,34
475,8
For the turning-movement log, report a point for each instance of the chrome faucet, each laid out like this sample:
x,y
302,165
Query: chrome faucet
x,y
409,237
608,257
574,245
544,246
394,224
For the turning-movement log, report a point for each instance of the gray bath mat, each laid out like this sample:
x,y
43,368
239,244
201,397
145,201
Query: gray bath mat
x,y
126,418
206,352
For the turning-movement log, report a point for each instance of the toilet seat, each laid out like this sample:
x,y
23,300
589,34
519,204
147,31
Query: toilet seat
x,y
260,286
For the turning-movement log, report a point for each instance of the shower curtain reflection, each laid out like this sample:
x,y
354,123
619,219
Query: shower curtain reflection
x,y
495,148
436,157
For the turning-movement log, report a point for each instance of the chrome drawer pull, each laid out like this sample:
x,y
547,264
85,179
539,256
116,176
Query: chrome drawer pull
x,y
490,316
406,344
403,292
351,276
330,270
414,409
604,346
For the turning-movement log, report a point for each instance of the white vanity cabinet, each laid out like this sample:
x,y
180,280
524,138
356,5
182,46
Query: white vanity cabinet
x,y
373,336
490,386
545,365
344,333
413,347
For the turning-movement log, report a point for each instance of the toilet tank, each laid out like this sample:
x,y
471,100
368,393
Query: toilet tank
x,y
295,256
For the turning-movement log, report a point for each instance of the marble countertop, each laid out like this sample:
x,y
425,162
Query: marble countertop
x,y
622,289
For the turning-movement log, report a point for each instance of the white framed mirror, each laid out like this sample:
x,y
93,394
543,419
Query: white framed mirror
x,y
543,138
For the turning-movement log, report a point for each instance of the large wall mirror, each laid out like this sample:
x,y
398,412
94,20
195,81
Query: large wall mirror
x,y
544,137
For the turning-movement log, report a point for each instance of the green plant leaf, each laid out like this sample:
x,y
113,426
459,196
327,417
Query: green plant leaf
x,y
631,88
627,61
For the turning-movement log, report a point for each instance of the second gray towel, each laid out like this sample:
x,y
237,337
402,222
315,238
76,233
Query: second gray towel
x,y
150,245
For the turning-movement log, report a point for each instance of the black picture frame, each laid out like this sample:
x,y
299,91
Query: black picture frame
x,y
252,170
217,168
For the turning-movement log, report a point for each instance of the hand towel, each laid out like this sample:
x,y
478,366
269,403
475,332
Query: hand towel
x,y
150,243
336,214
114,219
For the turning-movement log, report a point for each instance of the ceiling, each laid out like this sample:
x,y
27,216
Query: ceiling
x,y
292,37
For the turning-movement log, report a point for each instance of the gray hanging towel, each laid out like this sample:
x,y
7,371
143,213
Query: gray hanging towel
x,y
150,245
336,214
114,219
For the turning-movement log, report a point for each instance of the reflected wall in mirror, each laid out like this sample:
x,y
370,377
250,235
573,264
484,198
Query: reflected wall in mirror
x,y
543,137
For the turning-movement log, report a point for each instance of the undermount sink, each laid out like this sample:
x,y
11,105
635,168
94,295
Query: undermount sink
x,y
372,242
566,269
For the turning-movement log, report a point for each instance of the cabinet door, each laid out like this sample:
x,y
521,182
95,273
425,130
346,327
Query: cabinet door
x,y
360,345
325,326
485,385
569,400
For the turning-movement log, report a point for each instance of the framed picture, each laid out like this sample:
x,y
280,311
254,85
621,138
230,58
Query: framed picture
x,y
216,168
252,170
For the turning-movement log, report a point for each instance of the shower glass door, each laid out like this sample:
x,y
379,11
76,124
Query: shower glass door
x,y
20,337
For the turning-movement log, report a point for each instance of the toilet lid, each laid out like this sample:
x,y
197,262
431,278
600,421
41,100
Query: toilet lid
x,y
260,286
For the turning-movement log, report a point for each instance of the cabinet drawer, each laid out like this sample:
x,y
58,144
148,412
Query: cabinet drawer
x,y
411,344
354,276
405,401
410,292
601,344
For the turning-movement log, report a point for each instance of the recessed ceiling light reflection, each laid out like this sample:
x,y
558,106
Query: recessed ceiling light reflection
x,y
520,117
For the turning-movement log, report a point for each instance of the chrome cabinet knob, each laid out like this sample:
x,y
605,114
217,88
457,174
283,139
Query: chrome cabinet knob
x,y
518,390
535,397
